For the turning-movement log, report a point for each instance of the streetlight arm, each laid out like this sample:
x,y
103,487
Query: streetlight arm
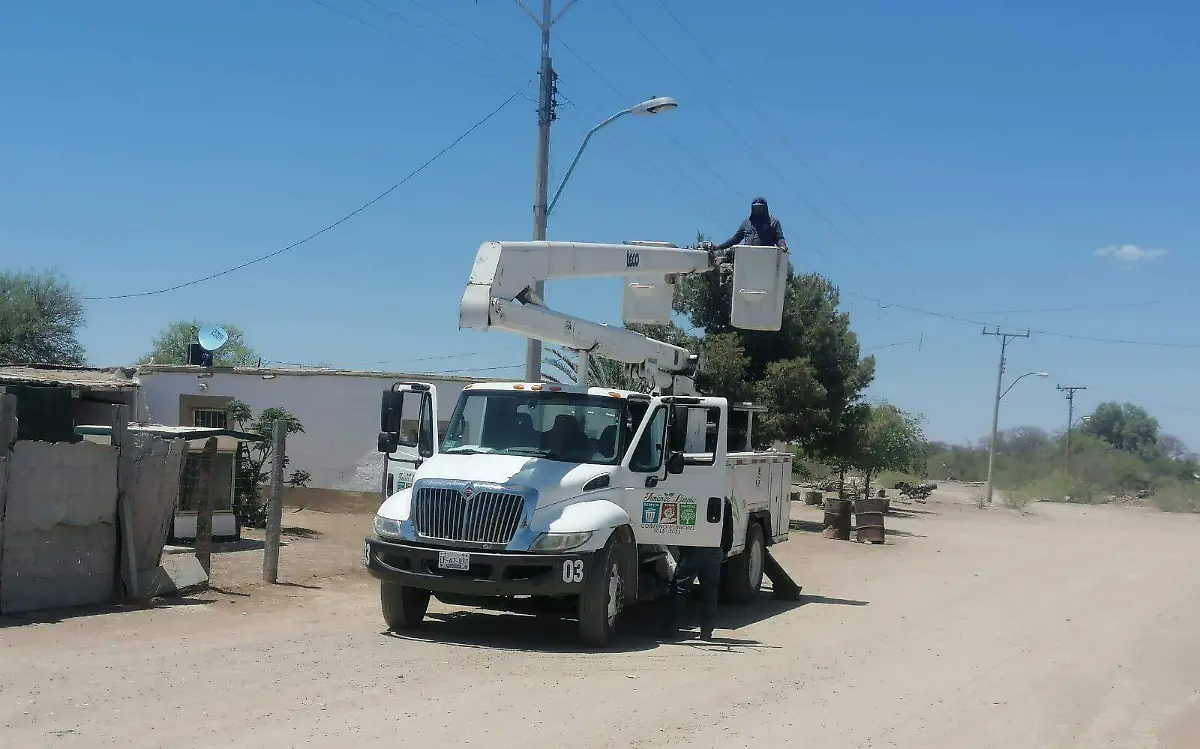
x,y
579,153
1014,382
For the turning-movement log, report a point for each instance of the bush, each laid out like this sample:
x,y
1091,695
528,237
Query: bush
x,y
1056,487
1178,497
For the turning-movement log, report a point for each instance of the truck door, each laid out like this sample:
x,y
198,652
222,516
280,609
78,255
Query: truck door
x,y
409,432
677,473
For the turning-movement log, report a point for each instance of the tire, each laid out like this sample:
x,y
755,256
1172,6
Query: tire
x,y
603,595
403,608
744,572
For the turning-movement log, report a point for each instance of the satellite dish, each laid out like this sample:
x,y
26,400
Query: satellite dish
x,y
212,337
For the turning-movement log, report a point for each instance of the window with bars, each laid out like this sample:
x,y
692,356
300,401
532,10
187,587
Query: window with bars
x,y
209,418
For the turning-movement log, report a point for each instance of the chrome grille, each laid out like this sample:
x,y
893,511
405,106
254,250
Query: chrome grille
x,y
488,517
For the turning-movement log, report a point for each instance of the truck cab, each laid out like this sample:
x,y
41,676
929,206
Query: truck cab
x,y
561,493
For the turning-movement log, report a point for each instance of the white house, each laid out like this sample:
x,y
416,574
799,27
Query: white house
x,y
338,408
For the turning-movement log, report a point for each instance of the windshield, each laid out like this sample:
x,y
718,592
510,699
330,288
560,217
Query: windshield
x,y
571,427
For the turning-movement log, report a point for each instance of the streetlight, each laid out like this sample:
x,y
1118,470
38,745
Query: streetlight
x,y
654,105
649,107
996,422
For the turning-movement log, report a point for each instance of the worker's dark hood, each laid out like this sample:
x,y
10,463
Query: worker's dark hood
x,y
759,212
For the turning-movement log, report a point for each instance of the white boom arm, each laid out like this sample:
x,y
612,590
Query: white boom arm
x,y
504,273
499,295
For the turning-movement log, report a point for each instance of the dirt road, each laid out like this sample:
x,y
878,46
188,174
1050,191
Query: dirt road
x,y
1070,627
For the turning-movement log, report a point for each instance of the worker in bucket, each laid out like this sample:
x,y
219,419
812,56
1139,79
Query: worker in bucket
x,y
761,229
694,562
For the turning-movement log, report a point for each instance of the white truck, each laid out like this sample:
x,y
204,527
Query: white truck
x,y
550,497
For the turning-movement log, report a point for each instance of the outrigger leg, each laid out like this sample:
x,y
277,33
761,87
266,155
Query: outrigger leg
x,y
784,587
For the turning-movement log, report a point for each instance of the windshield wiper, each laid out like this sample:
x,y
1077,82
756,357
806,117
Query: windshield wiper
x,y
462,451
535,451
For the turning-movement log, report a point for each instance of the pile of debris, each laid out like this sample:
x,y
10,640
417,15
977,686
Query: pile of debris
x,y
919,492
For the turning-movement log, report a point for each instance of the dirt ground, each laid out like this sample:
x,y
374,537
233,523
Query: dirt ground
x,y
1065,626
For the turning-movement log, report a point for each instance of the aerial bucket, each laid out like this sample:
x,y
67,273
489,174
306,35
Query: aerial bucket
x,y
759,285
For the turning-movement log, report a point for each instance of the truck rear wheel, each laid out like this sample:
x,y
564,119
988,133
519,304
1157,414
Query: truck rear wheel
x,y
744,572
603,596
403,607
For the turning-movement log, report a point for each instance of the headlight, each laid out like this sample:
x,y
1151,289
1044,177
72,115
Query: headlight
x,y
551,542
386,527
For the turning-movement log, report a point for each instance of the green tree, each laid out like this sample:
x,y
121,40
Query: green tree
x,y
1125,426
40,316
808,374
887,439
170,346
253,461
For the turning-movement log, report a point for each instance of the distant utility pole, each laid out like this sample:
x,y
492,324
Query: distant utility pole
x,y
541,165
1070,391
1004,338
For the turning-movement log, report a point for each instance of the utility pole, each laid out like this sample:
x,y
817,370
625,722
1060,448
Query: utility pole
x,y
1070,391
1004,338
541,165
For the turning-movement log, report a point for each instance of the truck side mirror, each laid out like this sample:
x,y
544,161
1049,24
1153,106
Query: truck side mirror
x,y
388,442
401,414
675,462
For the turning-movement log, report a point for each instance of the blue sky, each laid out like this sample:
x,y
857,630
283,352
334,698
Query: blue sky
x,y
965,159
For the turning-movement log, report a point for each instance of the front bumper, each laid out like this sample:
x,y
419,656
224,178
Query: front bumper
x,y
490,573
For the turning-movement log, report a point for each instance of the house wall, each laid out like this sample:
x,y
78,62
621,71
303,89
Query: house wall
x,y
339,411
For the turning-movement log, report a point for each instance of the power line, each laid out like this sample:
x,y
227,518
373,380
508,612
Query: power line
x,y
328,227
436,33
407,41
678,144
716,111
450,21
765,120
1078,308
1055,334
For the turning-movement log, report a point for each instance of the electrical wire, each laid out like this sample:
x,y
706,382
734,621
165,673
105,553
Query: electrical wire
x,y
686,151
449,40
1052,333
450,21
765,120
407,41
716,111
327,227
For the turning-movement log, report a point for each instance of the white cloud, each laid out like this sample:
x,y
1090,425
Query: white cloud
x,y
1128,254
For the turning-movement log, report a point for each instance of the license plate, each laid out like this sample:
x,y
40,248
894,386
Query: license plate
x,y
454,560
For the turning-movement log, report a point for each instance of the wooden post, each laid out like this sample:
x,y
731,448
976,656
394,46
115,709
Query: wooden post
x,y
206,501
128,550
275,504
8,422
8,436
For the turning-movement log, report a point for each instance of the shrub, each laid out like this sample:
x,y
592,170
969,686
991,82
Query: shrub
x,y
1056,487
1178,497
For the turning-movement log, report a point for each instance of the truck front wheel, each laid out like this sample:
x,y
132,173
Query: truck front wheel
x,y
603,596
403,607
744,572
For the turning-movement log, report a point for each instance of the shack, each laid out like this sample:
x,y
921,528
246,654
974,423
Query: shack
x,y
51,400
231,446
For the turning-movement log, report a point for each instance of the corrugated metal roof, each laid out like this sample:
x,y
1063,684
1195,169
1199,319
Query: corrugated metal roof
x,y
176,432
95,378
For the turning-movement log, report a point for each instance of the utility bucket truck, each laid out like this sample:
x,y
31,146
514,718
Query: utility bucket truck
x,y
570,498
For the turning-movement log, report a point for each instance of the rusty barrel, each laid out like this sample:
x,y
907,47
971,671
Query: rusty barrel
x,y
868,520
813,497
837,519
